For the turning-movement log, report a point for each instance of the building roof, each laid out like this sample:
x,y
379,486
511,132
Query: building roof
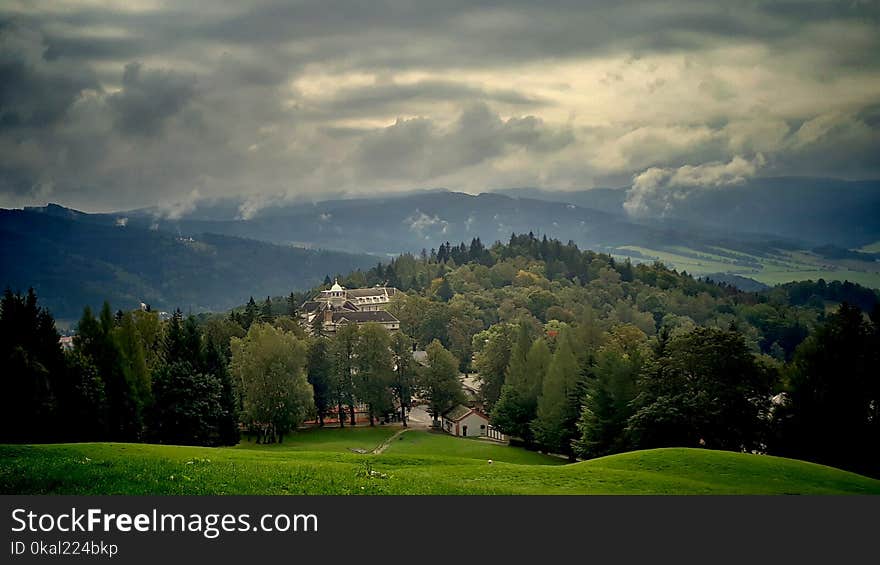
x,y
421,357
374,291
460,412
364,317
336,287
310,306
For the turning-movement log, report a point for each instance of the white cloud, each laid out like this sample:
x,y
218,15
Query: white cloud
x,y
419,222
174,210
655,190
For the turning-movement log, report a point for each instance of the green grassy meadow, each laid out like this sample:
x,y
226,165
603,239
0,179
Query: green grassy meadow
x,y
415,462
779,268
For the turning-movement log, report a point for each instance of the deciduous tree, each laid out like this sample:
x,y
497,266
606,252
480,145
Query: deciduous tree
x,y
270,365
439,384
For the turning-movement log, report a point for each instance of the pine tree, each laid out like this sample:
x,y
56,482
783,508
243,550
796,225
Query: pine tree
x,y
173,343
833,415
706,389
344,349
518,404
292,306
97,340
133,358
228,415
610,390
320,376
405,372
193,348
82,402
491,360
31,362
516,369
560,400
444,291
251,314
266,315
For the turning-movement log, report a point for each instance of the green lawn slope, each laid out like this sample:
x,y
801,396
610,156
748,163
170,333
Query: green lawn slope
x,y
414,462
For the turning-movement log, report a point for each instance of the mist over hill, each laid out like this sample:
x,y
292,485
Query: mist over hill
x,y
401,223
767,230
814,210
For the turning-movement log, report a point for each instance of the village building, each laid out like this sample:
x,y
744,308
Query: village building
x,y
464,421
338,306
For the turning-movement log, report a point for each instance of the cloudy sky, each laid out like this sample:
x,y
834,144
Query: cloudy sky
x,y
114,105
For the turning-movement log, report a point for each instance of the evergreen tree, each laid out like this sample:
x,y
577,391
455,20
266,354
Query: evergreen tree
x,y
82,402
517,366
292,306
266,315
492,357
188,405
174,342
228,415
517,407
610,390
405,372
31,359
193,346
344,349
833,412
320,376
707,389
444,291
133,359
560,400
251,314
97,340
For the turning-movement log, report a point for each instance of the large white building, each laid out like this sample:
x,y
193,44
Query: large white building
x,y
338,306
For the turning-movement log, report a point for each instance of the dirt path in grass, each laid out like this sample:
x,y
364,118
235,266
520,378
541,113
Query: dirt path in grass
x,y
384,445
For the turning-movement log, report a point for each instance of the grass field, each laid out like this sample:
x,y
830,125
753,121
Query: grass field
x,y
871,248
341,440
416,462
782,267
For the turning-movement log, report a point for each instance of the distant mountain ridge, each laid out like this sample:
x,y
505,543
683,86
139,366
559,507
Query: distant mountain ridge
x,y
75,259
395,224
813,210
80,258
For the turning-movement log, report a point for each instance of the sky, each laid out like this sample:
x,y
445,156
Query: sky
x,y
118,105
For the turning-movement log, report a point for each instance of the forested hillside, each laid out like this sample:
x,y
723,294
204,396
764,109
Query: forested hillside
x,y
73,260
577,354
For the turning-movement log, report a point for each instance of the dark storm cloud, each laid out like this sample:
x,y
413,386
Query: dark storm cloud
x,y
34,94
419,149
144,102
149,98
